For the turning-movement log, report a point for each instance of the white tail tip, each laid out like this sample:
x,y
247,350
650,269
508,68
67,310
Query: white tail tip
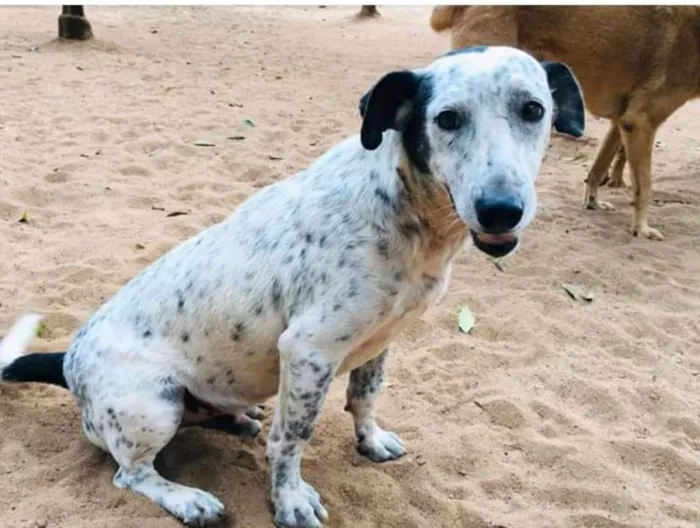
x,y
18,338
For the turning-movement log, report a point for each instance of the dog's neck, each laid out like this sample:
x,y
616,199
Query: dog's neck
x,y
426,219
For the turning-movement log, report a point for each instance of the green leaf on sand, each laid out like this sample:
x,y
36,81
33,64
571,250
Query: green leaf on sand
x,y
466,320
139,246
203,143
40,329
249,122
24,219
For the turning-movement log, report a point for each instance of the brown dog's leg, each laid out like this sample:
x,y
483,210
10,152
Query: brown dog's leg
x,y
638,136
606,153
616,179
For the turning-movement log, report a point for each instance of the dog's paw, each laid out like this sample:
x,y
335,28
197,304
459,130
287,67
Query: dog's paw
x,y
648,232
299,507
240,425
256,412
596,205
380,445
193,507
617,183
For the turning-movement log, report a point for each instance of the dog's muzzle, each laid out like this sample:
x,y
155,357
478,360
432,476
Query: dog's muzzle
x,y
495,245
498,214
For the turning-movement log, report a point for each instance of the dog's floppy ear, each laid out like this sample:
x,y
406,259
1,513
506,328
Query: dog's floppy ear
x,y
569,116
381,107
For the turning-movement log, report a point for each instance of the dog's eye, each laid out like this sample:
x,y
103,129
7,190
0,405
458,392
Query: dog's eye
x,y
532,111
448,120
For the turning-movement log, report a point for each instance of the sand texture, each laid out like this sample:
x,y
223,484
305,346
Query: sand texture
x,y
551,413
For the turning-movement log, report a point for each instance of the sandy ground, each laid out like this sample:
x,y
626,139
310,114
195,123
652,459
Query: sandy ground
x,y
552,413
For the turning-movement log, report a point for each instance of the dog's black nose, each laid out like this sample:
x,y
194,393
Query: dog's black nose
x,y
498,213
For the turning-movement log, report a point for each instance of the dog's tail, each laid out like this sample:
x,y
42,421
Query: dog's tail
x,y
15,366
442,17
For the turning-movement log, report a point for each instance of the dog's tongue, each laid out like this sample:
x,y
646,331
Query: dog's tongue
x,y
495,240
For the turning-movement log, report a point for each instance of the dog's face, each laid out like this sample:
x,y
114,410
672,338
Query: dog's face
x,y
478,120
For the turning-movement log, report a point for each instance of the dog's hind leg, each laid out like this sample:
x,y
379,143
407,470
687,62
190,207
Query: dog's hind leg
x,y
234,424
134,427
363,389
238,422
597,173
616,180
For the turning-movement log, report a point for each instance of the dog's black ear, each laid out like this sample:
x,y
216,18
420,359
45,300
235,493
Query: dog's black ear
x,y
381,107
569,115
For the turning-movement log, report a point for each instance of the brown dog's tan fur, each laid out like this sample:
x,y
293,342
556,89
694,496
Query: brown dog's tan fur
x,y
636,64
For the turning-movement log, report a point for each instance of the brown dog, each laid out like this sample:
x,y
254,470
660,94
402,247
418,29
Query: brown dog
x,y
636,64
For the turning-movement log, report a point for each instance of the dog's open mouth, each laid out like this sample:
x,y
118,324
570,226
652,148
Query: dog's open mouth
x,y
495,245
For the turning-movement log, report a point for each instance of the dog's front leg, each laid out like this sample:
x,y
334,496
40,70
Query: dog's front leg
x,y
305,377
363,389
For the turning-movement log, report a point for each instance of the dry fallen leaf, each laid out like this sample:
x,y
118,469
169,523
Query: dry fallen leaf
x,y
571,290
498,264
466,320
576,293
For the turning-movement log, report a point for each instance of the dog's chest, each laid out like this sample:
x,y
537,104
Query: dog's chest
x,y
411,301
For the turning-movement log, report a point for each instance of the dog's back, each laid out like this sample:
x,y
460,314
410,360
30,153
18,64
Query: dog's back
x,y
614,50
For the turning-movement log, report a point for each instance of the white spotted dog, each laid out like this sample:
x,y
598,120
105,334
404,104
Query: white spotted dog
x,y
312,277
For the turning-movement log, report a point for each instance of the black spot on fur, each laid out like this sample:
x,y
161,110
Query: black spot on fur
x,y
276,294
171,394
353,288
384,197
410,229
281,474
237,331
180,302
